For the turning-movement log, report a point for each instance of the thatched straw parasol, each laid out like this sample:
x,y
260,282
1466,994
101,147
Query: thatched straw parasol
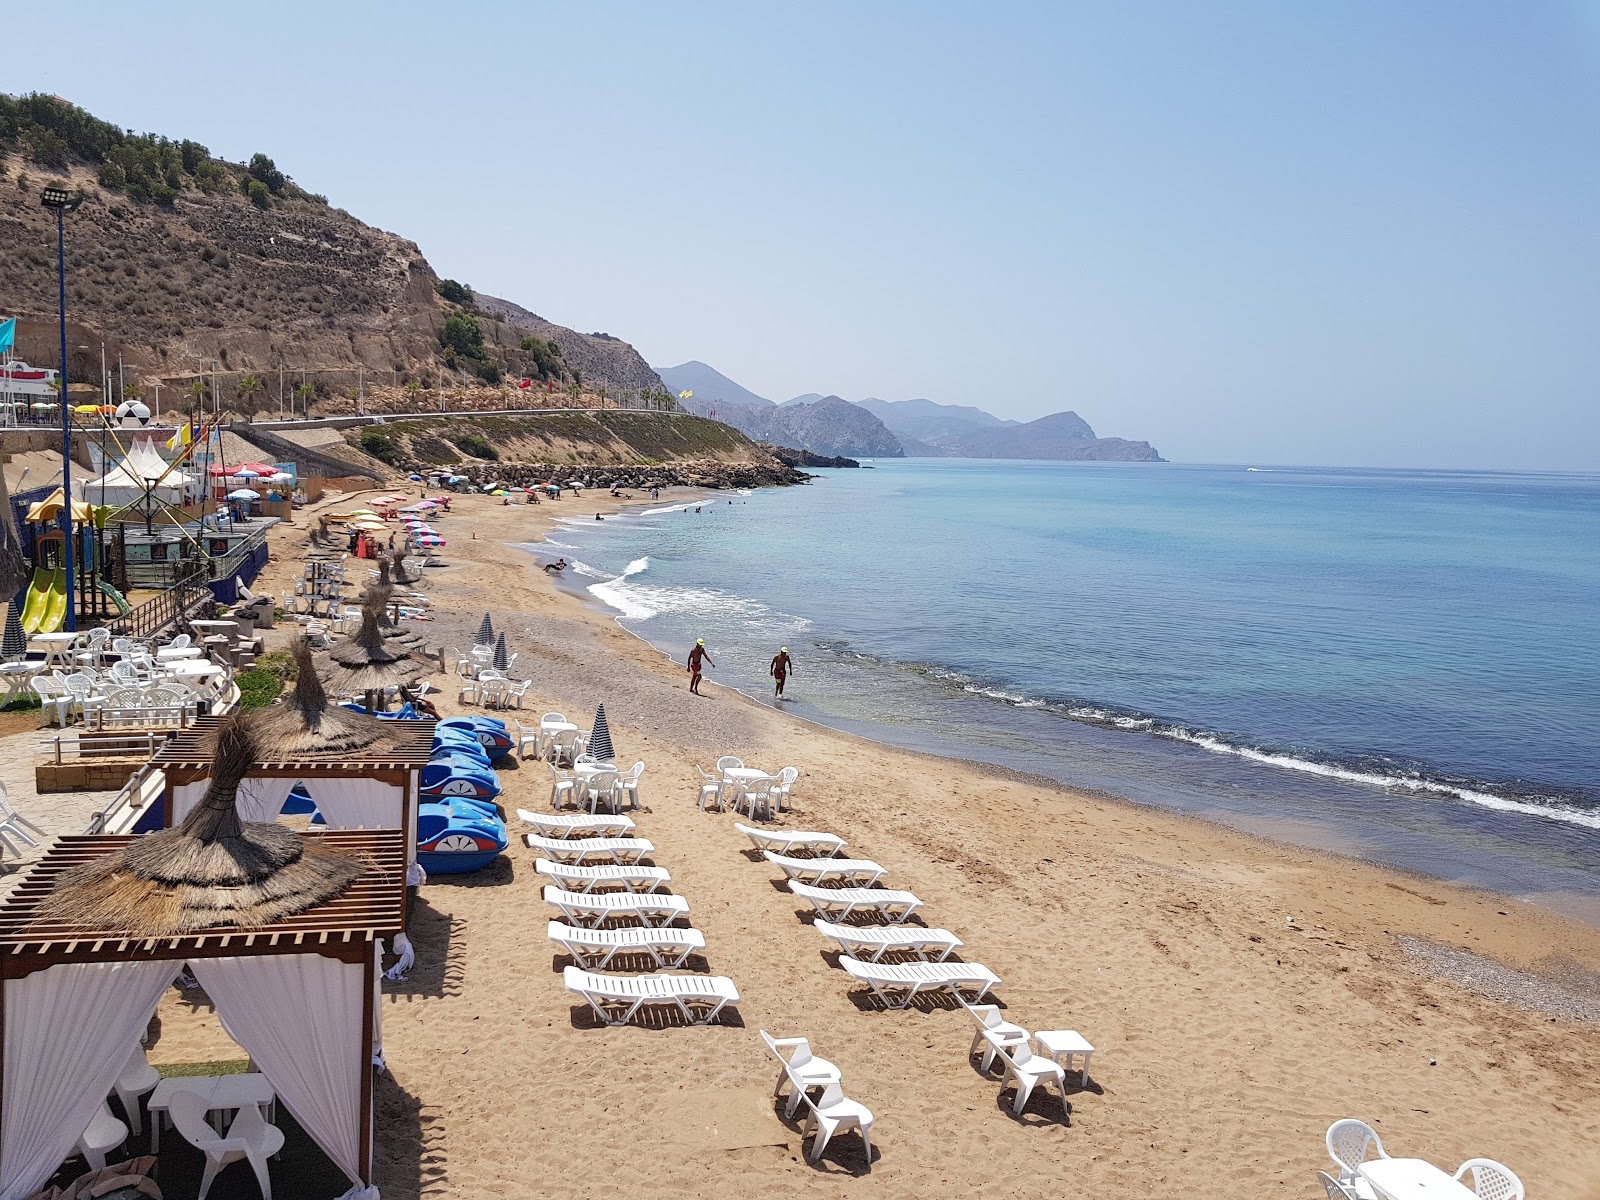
x,y
383,572
397,568
307,724
214,869
369,661
388,623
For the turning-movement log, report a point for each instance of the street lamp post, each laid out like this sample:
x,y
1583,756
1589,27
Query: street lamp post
x,y
64,201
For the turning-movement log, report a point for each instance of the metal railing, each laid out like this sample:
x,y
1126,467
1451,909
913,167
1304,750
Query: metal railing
x,y
146,785
174,606
70,747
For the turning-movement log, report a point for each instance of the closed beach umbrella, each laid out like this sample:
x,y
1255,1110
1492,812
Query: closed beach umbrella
x,y
600,737
485,635
502,656
14,645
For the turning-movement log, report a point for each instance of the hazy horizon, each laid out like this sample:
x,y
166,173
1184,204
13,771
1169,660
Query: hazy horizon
x,y
1244,232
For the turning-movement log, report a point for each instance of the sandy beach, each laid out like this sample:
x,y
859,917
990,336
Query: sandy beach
x,y
1241,995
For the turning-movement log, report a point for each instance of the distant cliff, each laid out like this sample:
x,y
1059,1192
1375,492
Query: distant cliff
x,y
872,428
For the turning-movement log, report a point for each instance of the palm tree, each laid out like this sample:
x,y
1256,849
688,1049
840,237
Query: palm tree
x,y
305,393
249,386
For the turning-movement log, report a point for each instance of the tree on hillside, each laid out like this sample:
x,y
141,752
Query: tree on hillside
x,y
455,293
305,393
263,168
249,387
462,334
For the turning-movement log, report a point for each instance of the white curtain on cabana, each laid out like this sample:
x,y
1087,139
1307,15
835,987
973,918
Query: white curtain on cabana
x,y
358,803
69,1032
298,1016
261,798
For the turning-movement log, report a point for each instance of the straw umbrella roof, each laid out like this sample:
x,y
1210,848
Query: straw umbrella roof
x,y
306,723
370,661
388,626
397,567
213,869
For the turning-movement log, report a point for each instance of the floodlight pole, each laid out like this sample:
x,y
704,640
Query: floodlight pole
x,y
61,200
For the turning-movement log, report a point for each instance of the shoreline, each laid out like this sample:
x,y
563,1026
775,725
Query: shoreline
x,y
1325,833
1227,1036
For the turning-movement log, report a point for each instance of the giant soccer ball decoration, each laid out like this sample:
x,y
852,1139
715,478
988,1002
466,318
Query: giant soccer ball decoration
x,y
133,414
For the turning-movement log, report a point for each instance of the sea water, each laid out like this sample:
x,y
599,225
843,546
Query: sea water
x,y
1403,666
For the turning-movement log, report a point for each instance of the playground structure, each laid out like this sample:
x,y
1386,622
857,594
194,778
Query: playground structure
x,y
143,522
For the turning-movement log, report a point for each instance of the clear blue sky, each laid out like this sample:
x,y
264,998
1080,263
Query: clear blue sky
x,y
1357,232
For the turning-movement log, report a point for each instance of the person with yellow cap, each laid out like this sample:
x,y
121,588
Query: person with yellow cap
x,y
782,664
698,656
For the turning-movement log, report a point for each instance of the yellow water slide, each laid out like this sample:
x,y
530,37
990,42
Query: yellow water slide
x,y
45,610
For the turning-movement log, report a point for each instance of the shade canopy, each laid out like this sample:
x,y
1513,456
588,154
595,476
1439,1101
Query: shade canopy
x,y
244,494
49,509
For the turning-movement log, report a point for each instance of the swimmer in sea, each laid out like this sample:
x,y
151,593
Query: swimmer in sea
x,y
782,664
697,656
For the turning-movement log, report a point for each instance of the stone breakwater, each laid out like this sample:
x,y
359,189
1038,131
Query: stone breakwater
x,y
706,474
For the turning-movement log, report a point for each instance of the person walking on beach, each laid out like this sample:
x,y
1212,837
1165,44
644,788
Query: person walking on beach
x,y
779,670
697,656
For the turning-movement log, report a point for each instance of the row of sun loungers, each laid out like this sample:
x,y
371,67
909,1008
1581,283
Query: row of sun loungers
x,y
591,895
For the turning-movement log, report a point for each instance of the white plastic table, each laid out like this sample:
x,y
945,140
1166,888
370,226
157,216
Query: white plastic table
x,y
191,668
16,675
1060,1045
1412,1179
222,1093
55,647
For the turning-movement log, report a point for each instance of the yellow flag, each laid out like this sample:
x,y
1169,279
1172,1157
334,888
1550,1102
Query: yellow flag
x,y
684,395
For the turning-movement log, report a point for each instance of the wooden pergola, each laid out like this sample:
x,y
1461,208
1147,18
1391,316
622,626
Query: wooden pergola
x,y
185,759
348,928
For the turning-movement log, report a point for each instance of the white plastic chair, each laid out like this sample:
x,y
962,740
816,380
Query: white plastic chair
x,y
1348,1142
801,1068
1491,1180
780,790
1335,1189
515,691
249,1138
527,739
628,785
80,687
833,1112
14,825
710,789
137,1078
993,1030
55,702
597,788
105,1134
757,794
561,787
1027,1070
564,745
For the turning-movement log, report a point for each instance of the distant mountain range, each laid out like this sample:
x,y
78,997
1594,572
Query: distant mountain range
x,y
873,428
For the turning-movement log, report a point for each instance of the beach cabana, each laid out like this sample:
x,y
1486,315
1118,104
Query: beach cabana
x,y
282,929
361,772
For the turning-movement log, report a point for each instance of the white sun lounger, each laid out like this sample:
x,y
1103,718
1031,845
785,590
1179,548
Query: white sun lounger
x,y
595,948
573,825
616,998
591,908
823,845
621,851
587,879
845,902
888,980
871,942
862,872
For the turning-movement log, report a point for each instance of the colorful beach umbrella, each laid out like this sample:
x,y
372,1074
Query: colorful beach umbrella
x,y
14,644
600,737
485,636
502,656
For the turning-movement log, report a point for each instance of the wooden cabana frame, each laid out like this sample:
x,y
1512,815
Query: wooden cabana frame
x,y
347,928
185,760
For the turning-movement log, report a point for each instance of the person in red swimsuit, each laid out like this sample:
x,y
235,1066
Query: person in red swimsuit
x,y
782,664
697,656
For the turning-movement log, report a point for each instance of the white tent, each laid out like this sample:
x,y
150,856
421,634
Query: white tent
x,y
124,483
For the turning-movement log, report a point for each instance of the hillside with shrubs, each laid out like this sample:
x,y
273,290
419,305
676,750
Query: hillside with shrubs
x,y
206,273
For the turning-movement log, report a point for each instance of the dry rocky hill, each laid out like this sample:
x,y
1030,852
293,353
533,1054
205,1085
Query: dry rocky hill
x,y
177,257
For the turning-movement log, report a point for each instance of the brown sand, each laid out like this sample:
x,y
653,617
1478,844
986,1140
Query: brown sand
x,y
1227,1037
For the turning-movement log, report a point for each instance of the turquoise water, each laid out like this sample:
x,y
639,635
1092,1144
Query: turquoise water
x,y
1400,665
